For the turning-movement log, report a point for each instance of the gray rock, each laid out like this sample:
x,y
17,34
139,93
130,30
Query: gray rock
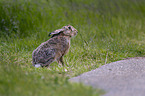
x,y
121,78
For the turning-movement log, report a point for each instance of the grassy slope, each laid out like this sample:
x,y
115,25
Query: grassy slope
x,y
109,30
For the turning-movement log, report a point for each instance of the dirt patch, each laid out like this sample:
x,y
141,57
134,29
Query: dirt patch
x,y
120,78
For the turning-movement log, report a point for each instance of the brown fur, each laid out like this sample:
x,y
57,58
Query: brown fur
x,y
55,48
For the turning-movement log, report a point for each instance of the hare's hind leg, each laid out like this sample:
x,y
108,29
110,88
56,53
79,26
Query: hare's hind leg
x,y
48,62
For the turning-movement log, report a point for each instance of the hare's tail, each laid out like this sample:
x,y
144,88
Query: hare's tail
x,y
37,65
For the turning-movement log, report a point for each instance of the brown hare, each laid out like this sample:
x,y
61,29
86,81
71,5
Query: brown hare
x,y
55,48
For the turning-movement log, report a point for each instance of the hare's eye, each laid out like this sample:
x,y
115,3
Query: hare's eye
x,y
69,28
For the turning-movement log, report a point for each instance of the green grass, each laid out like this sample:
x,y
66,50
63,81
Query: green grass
x,y
109,30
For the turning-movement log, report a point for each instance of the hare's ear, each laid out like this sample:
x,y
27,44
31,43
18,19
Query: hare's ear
x,y
56,32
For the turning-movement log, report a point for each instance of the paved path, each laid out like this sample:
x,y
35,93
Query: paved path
x,y
121,78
